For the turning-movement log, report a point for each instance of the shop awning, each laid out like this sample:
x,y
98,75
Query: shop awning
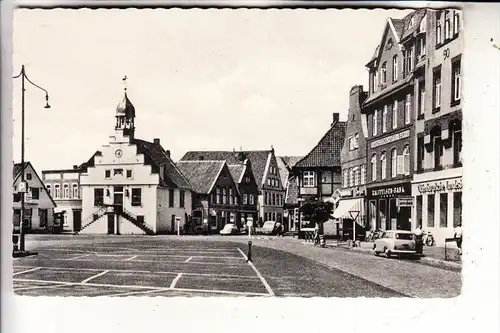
x,y
347,205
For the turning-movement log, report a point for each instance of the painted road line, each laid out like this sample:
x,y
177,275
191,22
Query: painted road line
x,y
174,282
94,276
39,287
27,271
90,284
79,257
131,258
251,277
240,293
138,292
66,250
264,282
27,259
188,259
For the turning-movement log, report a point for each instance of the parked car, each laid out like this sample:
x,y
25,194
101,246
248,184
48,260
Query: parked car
x,y
229,229
398,242
269,228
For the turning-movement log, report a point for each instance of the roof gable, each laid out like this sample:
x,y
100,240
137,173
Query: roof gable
x,y
158,158
258,159
18,169
201,174
327,152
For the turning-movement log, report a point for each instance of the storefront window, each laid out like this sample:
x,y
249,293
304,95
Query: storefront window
x,y
393,213
457,208
430,210
373,214
419,210
443,210
383,212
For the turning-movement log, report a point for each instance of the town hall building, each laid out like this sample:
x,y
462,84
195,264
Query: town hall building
x,y
132,186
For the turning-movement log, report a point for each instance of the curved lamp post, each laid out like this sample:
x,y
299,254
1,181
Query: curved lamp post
x,y
24,78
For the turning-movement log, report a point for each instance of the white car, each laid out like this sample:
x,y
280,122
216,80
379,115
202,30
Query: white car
x,y
229,229
398,242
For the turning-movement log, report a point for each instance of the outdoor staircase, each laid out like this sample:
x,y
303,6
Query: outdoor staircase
x,y
92,218
132,218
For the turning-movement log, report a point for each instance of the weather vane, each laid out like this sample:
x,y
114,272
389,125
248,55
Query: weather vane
x,y
124,79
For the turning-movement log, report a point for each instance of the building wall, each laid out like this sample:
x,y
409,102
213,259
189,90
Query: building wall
x,y
248,188
44,201
272,210
444,183
142,178
165,213
66,201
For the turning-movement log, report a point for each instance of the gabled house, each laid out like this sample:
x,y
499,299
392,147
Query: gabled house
x,y
248,189
38,204
319,172
215,194
265,171
132,186
353,160
389,111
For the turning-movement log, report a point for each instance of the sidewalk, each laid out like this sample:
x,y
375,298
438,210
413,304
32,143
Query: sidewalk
x,y
433,255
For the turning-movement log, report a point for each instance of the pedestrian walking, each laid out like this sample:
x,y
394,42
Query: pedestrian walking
x,y
419,242
458,237
316,234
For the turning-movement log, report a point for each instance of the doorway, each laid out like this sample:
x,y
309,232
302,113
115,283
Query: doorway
x,y
118,195
77,220
111,224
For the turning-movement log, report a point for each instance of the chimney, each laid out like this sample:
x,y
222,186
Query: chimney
x,y
156,141
356,99
168,151
335,118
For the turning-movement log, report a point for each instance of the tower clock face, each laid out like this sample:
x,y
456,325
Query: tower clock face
x,y
118,153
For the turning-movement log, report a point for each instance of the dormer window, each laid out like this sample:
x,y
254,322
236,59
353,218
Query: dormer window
x,y
118,172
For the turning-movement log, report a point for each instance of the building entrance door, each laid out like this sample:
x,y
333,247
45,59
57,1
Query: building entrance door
x,y
77,220
118,195
111,224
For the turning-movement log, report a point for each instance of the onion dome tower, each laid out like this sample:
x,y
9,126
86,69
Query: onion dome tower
x,y
125,115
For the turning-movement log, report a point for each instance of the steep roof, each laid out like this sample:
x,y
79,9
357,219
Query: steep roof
x,y
16,172
327,152
258,158
90,161
237,171
283,170
201,174
157,157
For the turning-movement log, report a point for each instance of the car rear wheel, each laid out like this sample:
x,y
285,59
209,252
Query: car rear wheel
x,y
387,252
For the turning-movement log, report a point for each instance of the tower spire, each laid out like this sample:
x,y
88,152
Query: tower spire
x,y
124,80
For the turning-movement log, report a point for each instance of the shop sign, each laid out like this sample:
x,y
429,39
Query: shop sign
x,y
404,202
441,186
392,190
390,139
345,193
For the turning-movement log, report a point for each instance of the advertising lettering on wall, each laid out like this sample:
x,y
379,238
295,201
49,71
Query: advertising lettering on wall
x,y
441,186
390,138
392,190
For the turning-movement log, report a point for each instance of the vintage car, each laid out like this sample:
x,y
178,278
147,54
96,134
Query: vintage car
x,y
395,242
269,228
229,229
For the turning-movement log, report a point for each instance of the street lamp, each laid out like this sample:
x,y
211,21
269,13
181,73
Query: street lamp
x,y
47,106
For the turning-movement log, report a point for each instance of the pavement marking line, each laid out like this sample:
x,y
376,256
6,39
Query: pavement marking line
x,y
143,260
39,287
242,293
264,282
95,276
67,250
138,292
131,258
147,272
174,281
188,259
79,257
90,284
27,271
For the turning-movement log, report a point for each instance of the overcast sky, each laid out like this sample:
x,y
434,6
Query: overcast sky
x,y
199,79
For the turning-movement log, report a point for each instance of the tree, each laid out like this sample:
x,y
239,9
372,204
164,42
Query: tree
x,y
317,211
